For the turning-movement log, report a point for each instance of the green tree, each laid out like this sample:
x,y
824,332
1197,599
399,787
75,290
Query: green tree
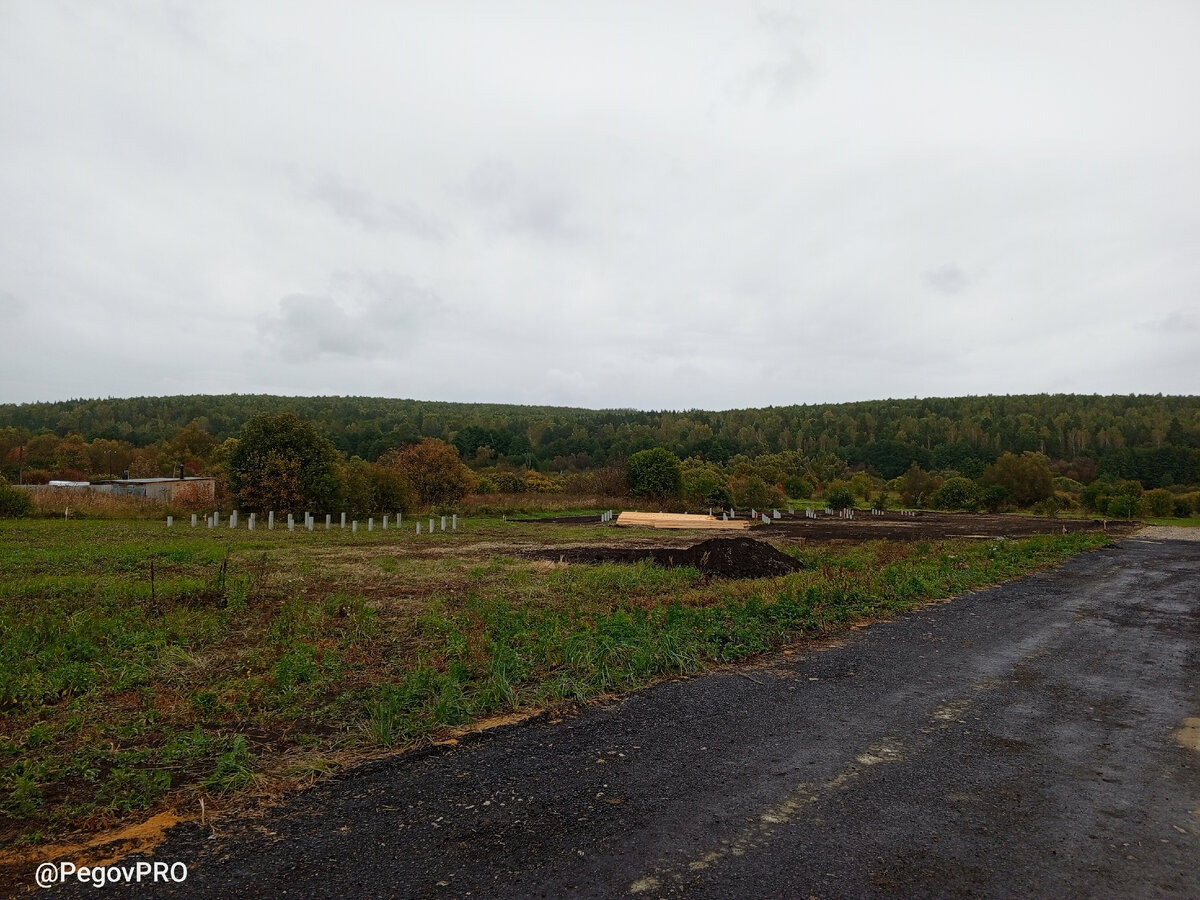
x,y
917,485
283,462
434,471
654,473
704,484
1027,477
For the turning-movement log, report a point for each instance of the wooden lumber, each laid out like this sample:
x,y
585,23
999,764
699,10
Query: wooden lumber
x,y
681,520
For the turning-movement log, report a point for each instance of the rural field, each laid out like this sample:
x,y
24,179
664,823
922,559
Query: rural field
x,y
200,673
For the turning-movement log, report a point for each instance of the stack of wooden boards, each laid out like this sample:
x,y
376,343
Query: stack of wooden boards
x,y
680,520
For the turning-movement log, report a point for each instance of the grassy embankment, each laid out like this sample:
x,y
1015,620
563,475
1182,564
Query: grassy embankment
x,y
141,666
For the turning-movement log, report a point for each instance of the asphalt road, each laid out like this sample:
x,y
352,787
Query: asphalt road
x,y
1027,740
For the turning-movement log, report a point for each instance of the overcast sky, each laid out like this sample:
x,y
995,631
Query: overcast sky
x,y
656,205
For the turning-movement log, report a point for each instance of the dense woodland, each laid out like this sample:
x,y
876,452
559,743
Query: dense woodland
x,y
1153,439
1122,456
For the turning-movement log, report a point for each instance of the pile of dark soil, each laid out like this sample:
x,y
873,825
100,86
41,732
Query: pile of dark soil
x,y
737,557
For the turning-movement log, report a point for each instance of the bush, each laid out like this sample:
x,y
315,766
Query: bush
x,y
1182,507
434,470
993,497
1124,505
14,502
508,483
753,491
704,485
799,487
654,473
1027,478
1048,507
917,486
538,483
957,493
1159,502
839,496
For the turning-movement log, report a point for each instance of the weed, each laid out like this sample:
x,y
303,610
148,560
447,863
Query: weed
x,y
115,693
234,769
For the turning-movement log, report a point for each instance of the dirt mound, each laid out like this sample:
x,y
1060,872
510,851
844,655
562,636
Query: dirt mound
x,y
738,557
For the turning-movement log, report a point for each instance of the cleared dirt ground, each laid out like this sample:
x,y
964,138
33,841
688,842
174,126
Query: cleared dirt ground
x,y
925,526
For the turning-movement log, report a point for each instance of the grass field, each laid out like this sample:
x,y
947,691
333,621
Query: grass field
x,y
143,667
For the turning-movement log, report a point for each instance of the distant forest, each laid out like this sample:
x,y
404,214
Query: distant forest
x,y
1151,438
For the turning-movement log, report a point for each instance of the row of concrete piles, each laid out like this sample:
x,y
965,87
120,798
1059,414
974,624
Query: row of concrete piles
x,y
309,522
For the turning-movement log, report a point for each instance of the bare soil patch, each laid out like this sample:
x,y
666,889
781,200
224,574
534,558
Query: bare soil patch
x,y
925,526
738,557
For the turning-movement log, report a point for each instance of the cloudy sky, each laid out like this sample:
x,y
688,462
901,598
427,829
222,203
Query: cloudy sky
x,y
657,205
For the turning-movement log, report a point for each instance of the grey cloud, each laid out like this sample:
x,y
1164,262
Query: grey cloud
x,y
10,306
616,193
778,77
949,279
1175,322
511,202
366,316
360,208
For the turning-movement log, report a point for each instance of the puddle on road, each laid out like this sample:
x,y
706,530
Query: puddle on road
x,y
1189,734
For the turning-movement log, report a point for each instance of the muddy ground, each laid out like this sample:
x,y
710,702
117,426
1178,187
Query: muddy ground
x,y
897,526
721,557
927,526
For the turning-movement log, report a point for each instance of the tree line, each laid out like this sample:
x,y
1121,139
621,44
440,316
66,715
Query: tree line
x,y
1150,440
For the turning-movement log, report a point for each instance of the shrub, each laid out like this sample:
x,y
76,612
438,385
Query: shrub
x,y
509,483
1048,507
839,496
799,487
538,483
434,470
704,485
14,502
917,485
1027,478
957,493
654,473
1159,502
993,497
754,491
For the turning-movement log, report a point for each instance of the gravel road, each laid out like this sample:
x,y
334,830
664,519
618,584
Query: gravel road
x,y
1029,740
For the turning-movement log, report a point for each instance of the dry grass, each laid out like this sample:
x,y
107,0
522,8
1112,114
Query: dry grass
x,y
494,504
77,503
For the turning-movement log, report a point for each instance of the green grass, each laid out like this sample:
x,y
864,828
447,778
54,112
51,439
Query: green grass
x,y
255,657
